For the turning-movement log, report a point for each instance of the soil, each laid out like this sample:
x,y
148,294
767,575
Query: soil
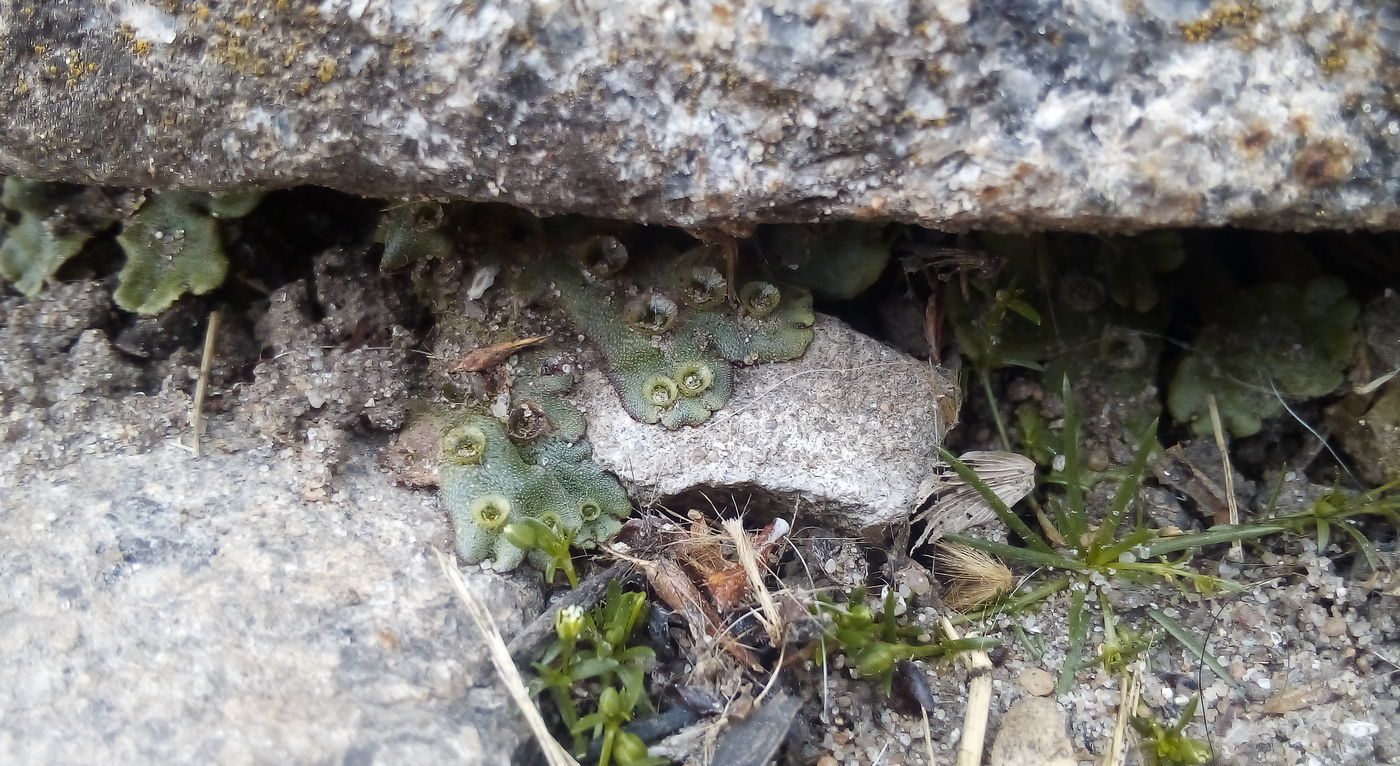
x,y
320,356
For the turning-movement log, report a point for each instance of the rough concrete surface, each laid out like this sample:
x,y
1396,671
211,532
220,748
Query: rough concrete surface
x,y
846,434
161,609
1092,114
235,608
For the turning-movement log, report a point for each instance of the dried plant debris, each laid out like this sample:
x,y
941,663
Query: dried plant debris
x,y
951,506
975,577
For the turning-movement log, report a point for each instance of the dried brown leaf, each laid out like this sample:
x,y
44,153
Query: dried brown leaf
x,y
1296,698
950,505
483,359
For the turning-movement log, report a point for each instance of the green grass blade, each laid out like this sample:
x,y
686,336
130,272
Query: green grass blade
x,y
1192,645
1362,543
1011,520
1015,605
1127,490
1109,556
1223,533
1078,637
1024,555
1074,521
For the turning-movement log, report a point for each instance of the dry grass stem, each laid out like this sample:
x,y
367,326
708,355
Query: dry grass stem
x,y
979,701
975,577
554,753
1236,549
748,559
928,737
201,386
1118,747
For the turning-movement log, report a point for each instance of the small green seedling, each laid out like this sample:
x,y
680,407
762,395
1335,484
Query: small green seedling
x,y
876,641
1342,510
1168,745
1121,548
1121,645
531,534
590,665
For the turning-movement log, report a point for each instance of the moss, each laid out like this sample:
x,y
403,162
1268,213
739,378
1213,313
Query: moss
x,y
412,232
666,330
486,494
546,392
536,462
174,244
1276,341
1222,17
601,502
836,261
51,224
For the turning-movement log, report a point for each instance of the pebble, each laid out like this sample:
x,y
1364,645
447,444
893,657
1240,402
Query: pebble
x,y
1334,626
1359,728
1032,733
1036,682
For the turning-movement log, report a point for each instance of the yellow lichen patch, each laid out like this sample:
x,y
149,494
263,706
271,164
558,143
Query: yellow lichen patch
x,y
1230,16
1333,61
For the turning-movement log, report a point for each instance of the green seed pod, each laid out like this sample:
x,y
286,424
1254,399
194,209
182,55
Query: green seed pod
x,y
661,391
760,298
651,313
629,749
861,614
694,379
522,536
878,659
610,703
463,445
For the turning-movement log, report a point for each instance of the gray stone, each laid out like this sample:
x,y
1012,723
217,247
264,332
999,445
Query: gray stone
x,y
845,435
1089,115
254,605
162,609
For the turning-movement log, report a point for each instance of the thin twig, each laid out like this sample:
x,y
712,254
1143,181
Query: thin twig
x,y
744,551
928,736
554,752
1127,706
979,700
206,363
1236,549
